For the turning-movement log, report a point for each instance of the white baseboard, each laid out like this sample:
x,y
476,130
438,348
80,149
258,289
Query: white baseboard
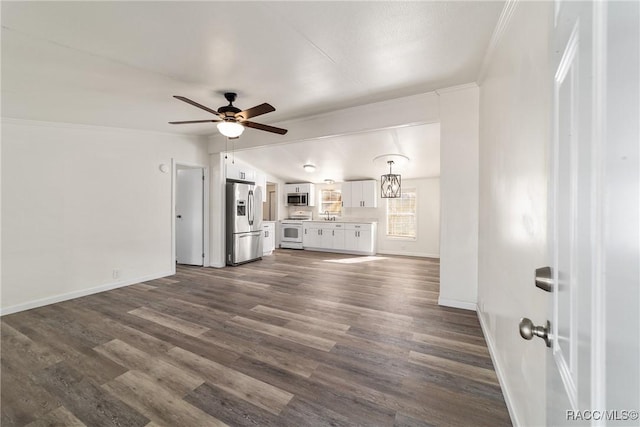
x,y
458,304
497,365
80,293
416,254
336,251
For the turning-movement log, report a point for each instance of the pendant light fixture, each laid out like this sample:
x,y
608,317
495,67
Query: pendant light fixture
x,y
390,184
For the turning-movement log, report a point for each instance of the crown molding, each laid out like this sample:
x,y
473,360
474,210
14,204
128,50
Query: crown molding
x,y
496,37
95,128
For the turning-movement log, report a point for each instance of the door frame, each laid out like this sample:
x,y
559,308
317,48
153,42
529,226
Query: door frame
x,y
205,207
276,198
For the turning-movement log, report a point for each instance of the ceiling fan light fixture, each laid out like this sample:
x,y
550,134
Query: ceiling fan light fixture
x,y
309,167
230,129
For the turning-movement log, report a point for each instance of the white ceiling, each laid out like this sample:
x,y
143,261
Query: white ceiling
x,y
351,157
119,63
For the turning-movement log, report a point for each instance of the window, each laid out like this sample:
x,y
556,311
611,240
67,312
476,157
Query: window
x,y
331,200
401,215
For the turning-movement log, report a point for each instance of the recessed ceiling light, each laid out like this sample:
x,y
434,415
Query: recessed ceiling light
x,y
329,181
309,167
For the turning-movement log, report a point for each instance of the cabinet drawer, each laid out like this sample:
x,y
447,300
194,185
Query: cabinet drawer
x,y
361,227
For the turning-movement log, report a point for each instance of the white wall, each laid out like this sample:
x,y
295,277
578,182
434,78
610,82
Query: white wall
x,y
459,196
514,133
621,190
427,243
80,202
217,203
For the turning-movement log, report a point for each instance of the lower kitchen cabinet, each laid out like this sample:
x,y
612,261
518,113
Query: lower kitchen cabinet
x,y
310,235
340,237
360,238
317,235
268,237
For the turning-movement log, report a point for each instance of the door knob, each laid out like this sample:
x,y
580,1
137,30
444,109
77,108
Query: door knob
x,y
528,330
178,216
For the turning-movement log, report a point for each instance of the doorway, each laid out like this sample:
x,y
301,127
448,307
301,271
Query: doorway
x,y
270,207
190,216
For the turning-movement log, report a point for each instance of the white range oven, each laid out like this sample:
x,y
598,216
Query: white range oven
x,y
291,230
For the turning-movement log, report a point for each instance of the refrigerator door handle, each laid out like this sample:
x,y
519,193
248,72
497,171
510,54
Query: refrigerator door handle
x,y
250,234
250,207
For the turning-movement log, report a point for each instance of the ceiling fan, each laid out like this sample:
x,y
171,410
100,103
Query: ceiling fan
x,y
232,120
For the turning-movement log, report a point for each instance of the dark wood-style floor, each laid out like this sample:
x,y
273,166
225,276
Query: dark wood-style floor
x,y
297,339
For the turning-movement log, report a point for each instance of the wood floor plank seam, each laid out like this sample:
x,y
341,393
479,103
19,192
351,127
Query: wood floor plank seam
x,y
168,321
254,391
284,333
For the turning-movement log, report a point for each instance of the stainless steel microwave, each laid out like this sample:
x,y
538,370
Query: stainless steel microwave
x,y
298,199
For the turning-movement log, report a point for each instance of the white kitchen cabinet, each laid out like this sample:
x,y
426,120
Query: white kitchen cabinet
x,y
311,235
360,238
269,237
338,242
304,188
340,237
240,173
320,235
332,236
298,188
243,173
359,194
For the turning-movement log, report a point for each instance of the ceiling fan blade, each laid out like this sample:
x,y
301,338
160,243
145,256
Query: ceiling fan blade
x,y
256,111
193,121
267,128
195,104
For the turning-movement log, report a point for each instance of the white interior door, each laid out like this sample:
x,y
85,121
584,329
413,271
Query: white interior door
x,y
587,331
568,364
190,216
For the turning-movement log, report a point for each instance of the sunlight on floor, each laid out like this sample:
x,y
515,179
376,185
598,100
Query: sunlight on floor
x,y
356,259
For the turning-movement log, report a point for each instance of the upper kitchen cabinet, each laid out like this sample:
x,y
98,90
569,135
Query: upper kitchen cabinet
x,y
244,173
359,194
240,173
299,188
306,188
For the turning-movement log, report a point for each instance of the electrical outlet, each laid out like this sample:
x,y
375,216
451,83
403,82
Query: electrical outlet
x,y
116,273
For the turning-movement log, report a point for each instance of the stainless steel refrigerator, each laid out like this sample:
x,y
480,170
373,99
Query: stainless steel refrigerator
x,y
244,222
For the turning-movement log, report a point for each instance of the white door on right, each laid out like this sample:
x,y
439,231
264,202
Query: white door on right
x,y
592,214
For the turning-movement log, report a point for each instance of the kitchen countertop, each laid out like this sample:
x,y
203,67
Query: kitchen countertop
x,y
345,221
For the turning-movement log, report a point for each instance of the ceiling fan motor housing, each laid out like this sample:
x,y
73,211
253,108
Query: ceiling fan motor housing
x,y
229,111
